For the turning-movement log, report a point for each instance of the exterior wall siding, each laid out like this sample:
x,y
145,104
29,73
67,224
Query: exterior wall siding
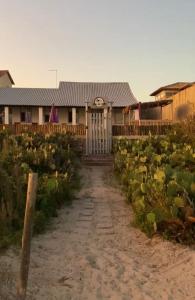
x,y
151,114
5,81
15,115
183,105
62,114
81,115
117,116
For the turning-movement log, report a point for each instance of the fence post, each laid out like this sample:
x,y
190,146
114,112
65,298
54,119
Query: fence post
x,y
27,234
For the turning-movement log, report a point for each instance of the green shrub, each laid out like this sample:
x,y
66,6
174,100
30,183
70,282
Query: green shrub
x,y
55,160
158,174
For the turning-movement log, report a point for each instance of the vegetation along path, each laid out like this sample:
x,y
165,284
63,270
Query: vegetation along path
x,y
93,252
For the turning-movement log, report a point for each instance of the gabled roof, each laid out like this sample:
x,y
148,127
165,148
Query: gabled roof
x,y
79,92
178,86
3,72
69,94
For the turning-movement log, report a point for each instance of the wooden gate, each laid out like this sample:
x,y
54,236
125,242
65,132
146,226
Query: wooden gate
x,y
99,129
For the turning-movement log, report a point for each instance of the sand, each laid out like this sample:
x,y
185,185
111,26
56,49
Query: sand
x,y
92,251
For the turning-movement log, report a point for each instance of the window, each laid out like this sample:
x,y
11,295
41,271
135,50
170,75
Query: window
x,y
46,118
70,116
22,116
26,115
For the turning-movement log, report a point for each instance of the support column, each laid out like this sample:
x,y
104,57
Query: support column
x,y
172,115
86,128
6,115
74,116
105,114
123,117
110,127
105,117
41,121
136,114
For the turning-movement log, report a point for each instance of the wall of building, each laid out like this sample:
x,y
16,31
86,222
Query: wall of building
x,y
15,114
161,95
5,81
62,115
81,116
183,105
151,113
117,116
165,94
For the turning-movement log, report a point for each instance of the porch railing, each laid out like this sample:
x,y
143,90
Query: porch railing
x,y
142,127
45,128
134,128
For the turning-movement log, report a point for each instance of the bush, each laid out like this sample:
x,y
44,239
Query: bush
x,y
158,174
53,158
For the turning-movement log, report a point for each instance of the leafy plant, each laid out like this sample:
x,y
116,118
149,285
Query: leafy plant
x,y
158,174
55,159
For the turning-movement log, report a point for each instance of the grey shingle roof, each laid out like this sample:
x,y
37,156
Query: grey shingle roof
x,y
69,94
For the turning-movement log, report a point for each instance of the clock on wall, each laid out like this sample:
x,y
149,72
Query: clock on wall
x,y
99,102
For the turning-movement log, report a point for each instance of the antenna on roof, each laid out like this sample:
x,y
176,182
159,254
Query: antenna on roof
x,y
56,71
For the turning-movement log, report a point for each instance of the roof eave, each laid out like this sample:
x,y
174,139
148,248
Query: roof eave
x,y
152,104
164,89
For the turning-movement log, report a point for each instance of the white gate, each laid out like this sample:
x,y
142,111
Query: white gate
x,y
99,129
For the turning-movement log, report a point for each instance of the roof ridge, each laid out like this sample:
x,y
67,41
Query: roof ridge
x,y
102,82
31,88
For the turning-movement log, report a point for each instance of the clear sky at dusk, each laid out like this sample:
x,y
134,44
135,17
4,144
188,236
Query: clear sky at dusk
x,y
148,43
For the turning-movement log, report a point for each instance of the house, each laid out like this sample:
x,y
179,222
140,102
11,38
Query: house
x,y
33,105
167,91
5,79
182,97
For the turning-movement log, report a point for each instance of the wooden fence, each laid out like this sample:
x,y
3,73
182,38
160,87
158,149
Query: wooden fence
x,y
45,128
134,128
142,127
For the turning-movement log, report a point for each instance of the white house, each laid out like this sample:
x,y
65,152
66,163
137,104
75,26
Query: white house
x,y
33,105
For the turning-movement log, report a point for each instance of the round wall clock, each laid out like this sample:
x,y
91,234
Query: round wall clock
x,y
99,102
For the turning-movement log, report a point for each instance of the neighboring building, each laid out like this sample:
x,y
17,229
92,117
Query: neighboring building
x,y
33,105
5,79
167,91
182,95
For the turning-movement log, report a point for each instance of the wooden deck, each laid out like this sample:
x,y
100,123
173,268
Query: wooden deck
x,y
134,128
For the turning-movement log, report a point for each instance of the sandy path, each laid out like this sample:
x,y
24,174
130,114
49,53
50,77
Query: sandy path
x,y
92,252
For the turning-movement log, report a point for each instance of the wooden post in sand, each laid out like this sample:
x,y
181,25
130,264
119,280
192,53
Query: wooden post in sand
x,y
27,234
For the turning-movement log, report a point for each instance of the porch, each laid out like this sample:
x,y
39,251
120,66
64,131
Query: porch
x,y
133,129
40,115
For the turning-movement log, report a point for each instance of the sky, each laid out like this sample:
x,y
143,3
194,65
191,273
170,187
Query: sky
x,y
148,43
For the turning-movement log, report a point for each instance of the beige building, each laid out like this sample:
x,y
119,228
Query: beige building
x,y
182,95
5,79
